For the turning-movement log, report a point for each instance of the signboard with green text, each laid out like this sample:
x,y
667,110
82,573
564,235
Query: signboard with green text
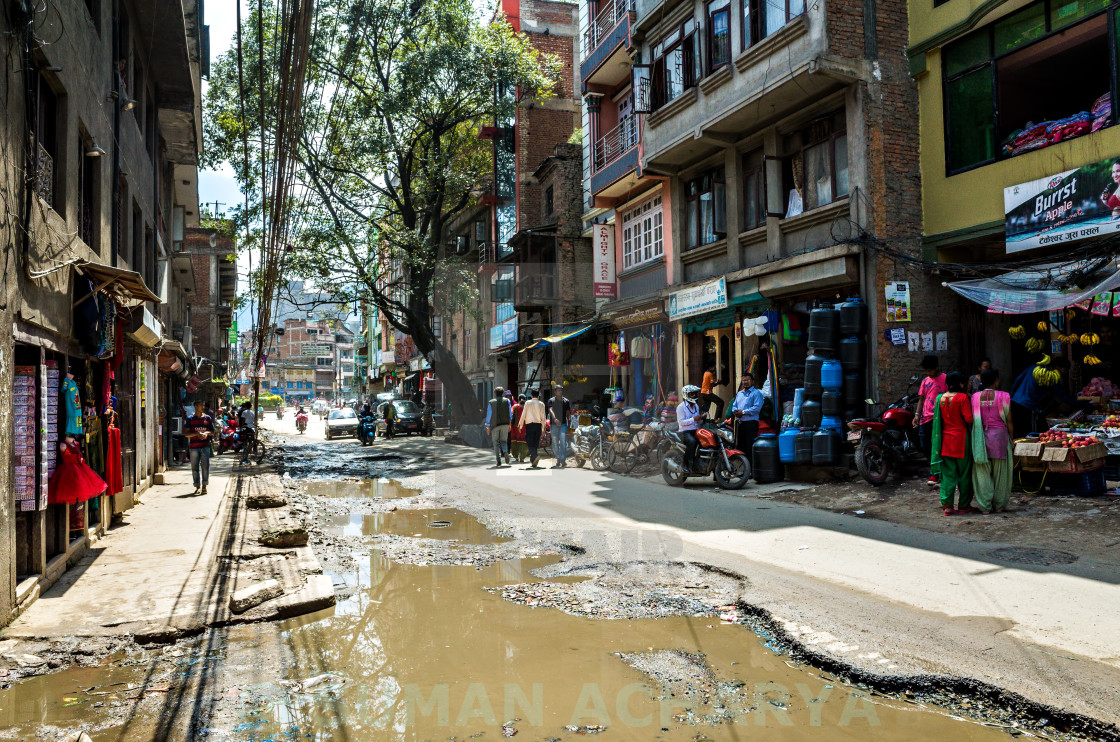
x,y
1066,207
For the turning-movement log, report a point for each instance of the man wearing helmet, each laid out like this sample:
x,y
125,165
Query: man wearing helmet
x,y
689,418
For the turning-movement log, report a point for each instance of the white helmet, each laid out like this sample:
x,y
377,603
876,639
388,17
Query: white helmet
x,y
691,392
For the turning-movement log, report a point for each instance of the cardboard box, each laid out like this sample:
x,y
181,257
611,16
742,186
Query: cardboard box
x,y
1074,460
1029,453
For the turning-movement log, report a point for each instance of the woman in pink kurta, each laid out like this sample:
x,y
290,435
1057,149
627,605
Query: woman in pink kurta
x,y
991,445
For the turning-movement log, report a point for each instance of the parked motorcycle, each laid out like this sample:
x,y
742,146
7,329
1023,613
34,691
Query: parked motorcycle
x,y
714,456
301,422
590,442
227,439
889,442
367,430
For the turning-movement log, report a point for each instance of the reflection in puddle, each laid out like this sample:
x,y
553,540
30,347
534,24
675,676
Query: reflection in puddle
x,y
378,488
417,523
426,652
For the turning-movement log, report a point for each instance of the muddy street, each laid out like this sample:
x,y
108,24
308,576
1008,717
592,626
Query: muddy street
x,y
459,616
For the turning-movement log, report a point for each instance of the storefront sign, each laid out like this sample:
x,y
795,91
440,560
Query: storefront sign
x,y
898,301
643,315
603,241
706,297
1072,205
316,349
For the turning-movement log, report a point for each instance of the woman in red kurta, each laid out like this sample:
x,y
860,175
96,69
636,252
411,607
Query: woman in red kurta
x,y
952,424
517,430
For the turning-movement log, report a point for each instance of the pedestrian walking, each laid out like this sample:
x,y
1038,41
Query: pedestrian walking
x,y
952,459
992,434
745,407
499,413
247,427
517,431
928,391
559,409
199,432
533,418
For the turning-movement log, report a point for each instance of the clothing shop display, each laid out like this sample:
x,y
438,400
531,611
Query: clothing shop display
x,y
72,404
73,481
113,456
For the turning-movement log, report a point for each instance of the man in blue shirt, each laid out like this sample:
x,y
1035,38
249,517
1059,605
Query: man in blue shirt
x,y
745,408
1030,400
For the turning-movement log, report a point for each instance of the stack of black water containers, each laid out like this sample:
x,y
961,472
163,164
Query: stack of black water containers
x,y
834,384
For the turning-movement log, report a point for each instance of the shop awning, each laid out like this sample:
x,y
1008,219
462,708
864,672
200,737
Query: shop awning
x,y
125,286
1045,288
559,337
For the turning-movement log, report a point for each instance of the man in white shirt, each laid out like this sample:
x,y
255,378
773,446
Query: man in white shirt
x,y
534,417
689,418
247,429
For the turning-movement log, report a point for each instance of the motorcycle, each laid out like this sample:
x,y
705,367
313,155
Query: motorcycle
x,y
227,439
888,442
715,455
301,422
279,412
589,442
367,430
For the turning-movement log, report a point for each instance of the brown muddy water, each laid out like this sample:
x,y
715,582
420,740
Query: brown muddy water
x,y
379,488
427,653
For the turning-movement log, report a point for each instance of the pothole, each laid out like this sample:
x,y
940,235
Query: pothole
x,y
1033,555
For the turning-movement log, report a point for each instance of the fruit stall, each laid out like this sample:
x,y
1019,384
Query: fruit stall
x,y
1077,456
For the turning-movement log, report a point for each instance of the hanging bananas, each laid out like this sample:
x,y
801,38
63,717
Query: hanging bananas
x,y
1046,376
1043,327
1034,345
1070,314
1091,360
1090,339
1017,332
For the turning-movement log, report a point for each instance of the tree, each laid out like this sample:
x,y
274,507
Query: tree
x,y
390,154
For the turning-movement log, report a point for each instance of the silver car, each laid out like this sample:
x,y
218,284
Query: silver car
x,y
342,422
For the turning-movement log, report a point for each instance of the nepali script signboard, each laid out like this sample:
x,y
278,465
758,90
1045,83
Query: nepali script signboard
x,y
706,297
1066,207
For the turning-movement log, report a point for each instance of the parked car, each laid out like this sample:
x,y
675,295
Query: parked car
x,y
410,417
342,422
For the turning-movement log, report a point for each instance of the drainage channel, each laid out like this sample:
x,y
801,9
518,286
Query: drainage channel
x,y
436,653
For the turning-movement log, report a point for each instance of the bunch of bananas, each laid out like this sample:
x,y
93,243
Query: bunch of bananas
x,y
1046,376
1017,332
1090,339
1070,339
1091,360
1043,327
1070,314
1034,345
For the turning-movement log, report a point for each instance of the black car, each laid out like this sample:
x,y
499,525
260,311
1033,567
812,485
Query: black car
x,y
409,418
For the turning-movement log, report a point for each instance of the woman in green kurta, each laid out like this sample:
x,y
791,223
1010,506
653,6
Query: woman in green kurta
x,y
991,444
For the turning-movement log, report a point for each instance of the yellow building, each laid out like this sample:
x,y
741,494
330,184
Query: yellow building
x,y
1020,96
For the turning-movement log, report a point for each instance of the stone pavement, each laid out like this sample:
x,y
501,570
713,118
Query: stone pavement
x,y
170,568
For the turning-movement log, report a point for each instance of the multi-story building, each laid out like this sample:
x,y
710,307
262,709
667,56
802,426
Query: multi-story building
x,y
742,155
1018,156
102,130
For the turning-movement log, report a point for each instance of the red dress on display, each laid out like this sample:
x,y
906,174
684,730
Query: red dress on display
x,y
73,481
113,459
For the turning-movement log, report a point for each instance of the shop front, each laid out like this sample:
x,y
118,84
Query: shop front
x,y
641,358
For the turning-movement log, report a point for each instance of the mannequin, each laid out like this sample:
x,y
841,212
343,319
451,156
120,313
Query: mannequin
x,y
72,401
113,451
73,482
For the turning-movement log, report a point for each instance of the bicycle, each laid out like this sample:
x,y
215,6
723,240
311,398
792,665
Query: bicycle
x,y
256,451
641,449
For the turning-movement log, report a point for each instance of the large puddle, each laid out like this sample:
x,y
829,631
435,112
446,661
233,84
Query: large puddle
x,y
427,653
380,488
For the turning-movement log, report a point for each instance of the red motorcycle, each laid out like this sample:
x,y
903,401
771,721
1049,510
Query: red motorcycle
x,y
889,442
301,422
227,439
715,456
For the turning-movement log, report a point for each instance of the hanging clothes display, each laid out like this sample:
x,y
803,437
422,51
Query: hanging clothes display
x,y
72,403
73,481
113,454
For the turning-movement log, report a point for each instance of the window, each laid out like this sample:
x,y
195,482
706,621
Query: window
x,y
994,104
94,8
642,235
290,384
87,179
323,362
719,34
467,344
312,331
705,210
763,17
674,64
47,181
549,205
754,190
817,164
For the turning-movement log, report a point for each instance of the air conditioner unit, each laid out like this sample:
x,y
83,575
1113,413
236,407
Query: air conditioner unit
x,y
176,426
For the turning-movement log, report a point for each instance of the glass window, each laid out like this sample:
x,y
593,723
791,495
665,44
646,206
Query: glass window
x,y
971,116
967,53
840,158
1020,28
705,208
642,233
1064,12
719,34
674,64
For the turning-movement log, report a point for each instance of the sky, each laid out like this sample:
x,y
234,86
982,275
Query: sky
x,y
219,185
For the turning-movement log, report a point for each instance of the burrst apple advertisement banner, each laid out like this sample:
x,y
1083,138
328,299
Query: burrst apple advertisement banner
x,y
1070,206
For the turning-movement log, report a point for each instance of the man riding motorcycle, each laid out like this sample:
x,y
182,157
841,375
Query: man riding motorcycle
x,y
301,419
689,419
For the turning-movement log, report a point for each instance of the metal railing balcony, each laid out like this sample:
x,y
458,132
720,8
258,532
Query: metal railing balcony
x,y
618,140
535,290
607,18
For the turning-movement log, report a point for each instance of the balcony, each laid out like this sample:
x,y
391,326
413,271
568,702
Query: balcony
x,y
535,291
605,41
